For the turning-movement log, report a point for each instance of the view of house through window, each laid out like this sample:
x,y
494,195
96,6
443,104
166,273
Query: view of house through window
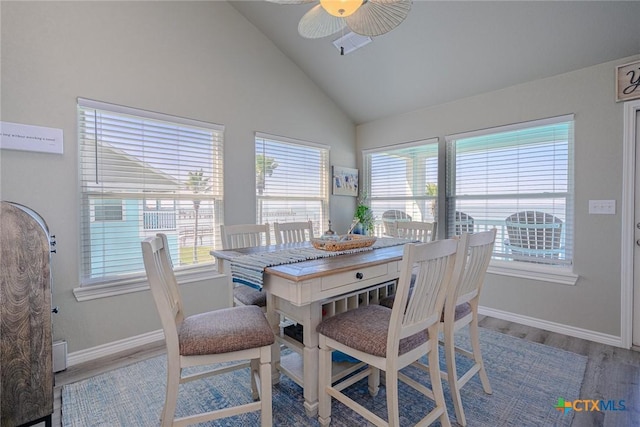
x,y
291,181
518,179
401,183
143,173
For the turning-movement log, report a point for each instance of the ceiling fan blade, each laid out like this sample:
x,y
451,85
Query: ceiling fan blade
x,y
317,23
291,1
381,1
376,17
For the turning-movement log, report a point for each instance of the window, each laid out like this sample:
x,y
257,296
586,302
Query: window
x,y
142,173
292,180
108,210
519,179
401,183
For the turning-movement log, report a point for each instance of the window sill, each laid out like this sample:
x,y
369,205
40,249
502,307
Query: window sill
x,y
137,284
544,273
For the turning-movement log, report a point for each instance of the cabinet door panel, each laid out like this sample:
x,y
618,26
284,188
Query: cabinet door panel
x,y
25,318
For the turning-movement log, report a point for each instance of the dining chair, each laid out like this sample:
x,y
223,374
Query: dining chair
x,y
533,234
390,339
417,230
293,232
390,218
244,236
234,334
460,309
412,230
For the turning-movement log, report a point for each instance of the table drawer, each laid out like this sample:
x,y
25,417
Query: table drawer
x,y
353,276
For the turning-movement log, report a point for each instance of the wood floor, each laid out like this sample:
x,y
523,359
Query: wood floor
x,y
612,373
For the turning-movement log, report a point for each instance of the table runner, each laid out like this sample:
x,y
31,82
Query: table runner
x,y
249,269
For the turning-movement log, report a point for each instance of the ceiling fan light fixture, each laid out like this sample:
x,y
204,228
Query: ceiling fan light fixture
x,y
341,8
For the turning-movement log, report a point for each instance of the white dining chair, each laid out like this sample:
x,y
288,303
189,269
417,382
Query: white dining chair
x,y
415,231
389,220
234,334
293,232
244,236
390,339
460,309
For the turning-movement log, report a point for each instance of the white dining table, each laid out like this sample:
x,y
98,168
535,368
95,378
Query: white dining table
x,y
300,291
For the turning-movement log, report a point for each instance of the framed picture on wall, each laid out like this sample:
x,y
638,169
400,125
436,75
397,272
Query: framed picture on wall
x,y
628,81
344,181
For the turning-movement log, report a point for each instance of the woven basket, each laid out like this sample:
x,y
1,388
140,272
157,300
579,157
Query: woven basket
x,y
343,243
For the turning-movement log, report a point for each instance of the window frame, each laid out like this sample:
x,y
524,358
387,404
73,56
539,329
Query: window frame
x,y
554,274
367,197
91,288
324,186
561,272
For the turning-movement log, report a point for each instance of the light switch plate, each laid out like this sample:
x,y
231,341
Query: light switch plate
x,y
602,207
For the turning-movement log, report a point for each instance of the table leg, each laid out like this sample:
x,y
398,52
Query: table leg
x,y
224,267
273,318
311,358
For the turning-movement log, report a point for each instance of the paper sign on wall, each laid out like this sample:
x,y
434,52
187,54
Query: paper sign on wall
x,y
15,136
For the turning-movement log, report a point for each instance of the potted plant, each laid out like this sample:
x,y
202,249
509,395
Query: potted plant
x,y
364,215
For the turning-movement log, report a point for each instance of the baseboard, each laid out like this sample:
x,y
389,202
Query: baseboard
x,y
114,347
571,331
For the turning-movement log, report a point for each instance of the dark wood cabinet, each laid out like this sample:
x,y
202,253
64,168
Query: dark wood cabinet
x,y
26,369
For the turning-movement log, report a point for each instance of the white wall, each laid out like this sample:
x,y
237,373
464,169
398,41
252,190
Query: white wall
x,y
200,60
593,304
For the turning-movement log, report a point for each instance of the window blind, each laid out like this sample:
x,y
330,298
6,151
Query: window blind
x,y
402,180
142,173
520,173
292,179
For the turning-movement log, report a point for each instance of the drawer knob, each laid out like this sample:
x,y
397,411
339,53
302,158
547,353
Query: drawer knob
x,y
359,275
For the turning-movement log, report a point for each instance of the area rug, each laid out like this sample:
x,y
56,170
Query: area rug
x,y
527,380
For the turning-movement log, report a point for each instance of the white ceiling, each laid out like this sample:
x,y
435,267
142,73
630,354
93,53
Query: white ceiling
x,y
447,50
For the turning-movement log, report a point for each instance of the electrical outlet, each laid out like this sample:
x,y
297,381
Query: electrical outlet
x,y
602,207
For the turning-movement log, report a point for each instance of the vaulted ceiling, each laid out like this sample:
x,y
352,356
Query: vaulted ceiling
x,y
447,50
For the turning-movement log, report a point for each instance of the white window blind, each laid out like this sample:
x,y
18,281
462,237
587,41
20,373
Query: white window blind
x,y
401,182
519,179
142,173
292,179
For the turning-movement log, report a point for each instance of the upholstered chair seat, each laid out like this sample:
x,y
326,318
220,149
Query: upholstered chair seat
x,y
366,329
246,295
224,331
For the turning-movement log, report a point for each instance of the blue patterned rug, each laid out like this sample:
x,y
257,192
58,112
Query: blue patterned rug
x,y
527,380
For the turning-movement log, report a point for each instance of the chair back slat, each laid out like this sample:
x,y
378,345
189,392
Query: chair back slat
x,y
417,230
245,235
420,308
478,255
163,285
424,299
293,232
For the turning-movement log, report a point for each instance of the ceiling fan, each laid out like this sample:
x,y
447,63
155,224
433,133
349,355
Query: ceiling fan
x,y
365,17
